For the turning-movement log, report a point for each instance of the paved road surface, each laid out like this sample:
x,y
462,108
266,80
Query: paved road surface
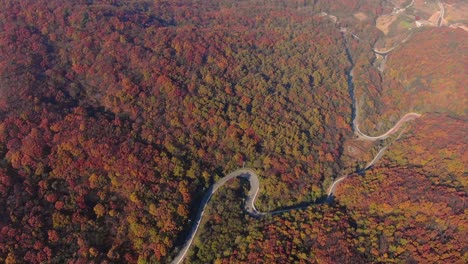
x,y
252,177
332,188
405,118
383,52
248,174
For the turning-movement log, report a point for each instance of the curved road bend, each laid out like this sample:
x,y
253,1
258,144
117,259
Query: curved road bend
x,y
252,177
404,119
332,188
383,52
254,182
248,174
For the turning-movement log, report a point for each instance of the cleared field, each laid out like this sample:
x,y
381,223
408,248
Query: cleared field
x,y
360,16
456,12
384,22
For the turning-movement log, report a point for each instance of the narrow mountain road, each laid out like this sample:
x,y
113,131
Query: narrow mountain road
x,y
405,118
409,5
249,206
383,52
248,174
442,13
253,179
333,186
336,182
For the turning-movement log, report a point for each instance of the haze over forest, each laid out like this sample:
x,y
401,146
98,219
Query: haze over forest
x,y
340,126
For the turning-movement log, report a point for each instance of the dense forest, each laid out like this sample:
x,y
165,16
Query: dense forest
x,y
117,115
413,202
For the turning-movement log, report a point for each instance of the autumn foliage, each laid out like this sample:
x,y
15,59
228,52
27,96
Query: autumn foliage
x,y
117,115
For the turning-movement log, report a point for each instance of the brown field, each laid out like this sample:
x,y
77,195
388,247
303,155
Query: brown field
x,y
434,18
399,3
358,149
456,12
425,8
384,22
360,16
428,10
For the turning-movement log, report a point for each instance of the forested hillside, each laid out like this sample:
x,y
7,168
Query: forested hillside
x,y
117,115
414,199
427,74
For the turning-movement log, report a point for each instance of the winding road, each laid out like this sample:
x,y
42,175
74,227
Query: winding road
x,y
248,174
252,177
405,118
409,5
332,188
383,52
